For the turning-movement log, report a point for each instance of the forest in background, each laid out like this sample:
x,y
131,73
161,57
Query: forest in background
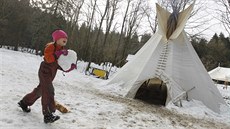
x,y
29,24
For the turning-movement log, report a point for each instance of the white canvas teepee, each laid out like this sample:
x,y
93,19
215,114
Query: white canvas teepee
x,y
173,60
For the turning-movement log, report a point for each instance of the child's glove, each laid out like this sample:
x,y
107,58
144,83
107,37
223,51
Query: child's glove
x,y
61,52
73,66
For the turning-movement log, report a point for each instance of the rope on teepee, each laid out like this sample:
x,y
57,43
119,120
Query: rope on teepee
x,y
162,61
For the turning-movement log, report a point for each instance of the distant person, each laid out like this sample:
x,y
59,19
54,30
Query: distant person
x,y
46,73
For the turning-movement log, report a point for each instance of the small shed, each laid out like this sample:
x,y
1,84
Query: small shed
x,y
221,74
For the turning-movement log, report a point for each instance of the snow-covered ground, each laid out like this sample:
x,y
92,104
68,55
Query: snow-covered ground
x,y
93,104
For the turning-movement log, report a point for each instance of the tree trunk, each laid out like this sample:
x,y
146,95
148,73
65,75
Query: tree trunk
x,y
121,32
95,44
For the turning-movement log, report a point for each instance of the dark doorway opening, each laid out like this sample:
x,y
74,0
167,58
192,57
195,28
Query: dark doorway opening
x,y
153,91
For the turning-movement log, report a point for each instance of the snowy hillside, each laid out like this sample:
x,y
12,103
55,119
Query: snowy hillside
x,y
93,105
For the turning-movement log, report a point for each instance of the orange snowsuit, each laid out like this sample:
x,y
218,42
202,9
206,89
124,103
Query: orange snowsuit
x,y
46,73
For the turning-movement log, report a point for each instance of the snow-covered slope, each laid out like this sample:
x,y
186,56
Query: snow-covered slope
x,y
93,105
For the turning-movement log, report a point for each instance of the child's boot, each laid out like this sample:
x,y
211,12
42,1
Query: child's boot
x,y
24,107
50,118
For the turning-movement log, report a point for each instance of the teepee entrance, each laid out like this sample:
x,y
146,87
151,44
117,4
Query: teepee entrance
x,y
153,91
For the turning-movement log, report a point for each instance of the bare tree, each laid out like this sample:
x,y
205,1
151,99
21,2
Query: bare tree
x,y
94,46
152,19
224,13
109,21
134,19
76,6
90,19
122,31
133,16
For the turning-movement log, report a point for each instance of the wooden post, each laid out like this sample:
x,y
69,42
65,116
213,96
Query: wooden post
x,y
226,84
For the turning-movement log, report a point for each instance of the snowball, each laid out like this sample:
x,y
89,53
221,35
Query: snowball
x,y
66,61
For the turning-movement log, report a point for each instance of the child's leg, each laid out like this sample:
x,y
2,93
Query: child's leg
x,y
30,98
48,104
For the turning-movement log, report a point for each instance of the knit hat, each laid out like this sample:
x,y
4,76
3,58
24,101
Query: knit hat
x,y
57,34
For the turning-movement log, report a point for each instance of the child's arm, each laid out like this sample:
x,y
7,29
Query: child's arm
x,y
49,54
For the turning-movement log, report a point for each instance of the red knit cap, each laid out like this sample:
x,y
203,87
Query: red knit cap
x,y
57,34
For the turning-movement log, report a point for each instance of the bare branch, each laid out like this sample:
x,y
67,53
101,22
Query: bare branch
x,y
224,13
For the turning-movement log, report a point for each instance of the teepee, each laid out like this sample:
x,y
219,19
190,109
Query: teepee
x,y
169,56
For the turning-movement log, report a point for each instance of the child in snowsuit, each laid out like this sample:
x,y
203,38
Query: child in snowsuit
x,y
47,72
